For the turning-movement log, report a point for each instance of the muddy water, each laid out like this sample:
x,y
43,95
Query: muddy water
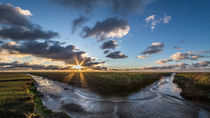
x,y
159,100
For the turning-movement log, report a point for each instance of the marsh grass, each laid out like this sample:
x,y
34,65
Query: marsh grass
x,y
195,86
106,83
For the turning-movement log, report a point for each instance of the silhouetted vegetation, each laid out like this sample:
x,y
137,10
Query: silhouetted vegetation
x,y
195,86
106,83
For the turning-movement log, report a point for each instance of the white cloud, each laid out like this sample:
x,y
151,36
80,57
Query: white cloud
x,y
153,21
166,19
118,33
157,44
179,56
24,12
142,57
149,18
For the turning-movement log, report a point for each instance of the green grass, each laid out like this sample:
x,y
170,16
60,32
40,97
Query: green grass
x,y
195,86
106,83
15,101
20,99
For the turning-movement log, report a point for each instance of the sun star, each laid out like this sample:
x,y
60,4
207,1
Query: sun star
x,y
78,67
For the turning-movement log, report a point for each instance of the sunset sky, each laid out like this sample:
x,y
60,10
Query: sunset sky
x,y
114,34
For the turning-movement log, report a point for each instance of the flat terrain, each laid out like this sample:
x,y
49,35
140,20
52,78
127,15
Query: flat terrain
x,y
19,98
106,83
195,86
15,99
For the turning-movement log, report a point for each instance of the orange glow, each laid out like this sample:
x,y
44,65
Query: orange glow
x,y
68,78
82,79
78,67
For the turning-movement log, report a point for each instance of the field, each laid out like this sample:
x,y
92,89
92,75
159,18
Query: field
x,y
195,86
20,99
106,83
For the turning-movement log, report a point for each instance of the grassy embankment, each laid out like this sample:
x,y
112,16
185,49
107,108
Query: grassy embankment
x,y
106,83
20,99
195,86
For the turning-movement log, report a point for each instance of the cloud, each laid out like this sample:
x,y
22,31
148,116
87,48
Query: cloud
x,y
15,25
78,5
150,18
1,42
201,64
180,56
21,33
152,49
78,22
191,55
166,19
23,12
108,28
163,61
173,66
13,16
111,44
51,50
26,66
142,57
106,51
116,55
100,68
119,7
153,20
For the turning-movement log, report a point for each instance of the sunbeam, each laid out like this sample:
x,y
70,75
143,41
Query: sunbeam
x,y
68,78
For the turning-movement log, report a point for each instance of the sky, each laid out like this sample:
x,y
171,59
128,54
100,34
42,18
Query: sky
x,y
104,34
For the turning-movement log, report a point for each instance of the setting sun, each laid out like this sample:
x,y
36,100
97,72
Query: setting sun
x,y
77,67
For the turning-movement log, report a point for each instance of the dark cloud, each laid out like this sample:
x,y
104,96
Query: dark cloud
x,y
106,51
15,25
12,16
20,66
78,22
93,63
20,33
111,44
126,7
51,50
201,64
119,7
78,5
1,41
152,49
108,28
100,68
116,55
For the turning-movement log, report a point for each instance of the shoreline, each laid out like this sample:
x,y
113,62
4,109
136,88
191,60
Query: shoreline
x,y
41,110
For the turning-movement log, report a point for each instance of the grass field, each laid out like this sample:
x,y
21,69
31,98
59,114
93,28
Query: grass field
x,y
20,99
195,86
106,83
